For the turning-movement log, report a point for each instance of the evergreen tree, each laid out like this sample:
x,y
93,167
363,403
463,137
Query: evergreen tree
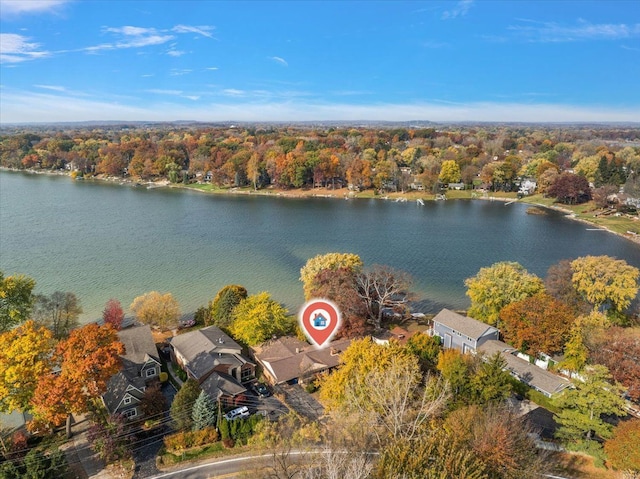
x,y
225,432
204,412
491,382
583,408
182,405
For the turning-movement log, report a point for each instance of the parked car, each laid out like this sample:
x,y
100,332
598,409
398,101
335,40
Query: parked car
x,y
238,413
262,390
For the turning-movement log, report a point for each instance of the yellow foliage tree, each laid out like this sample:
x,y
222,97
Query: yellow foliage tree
x,y
258,318
25,356
156,309
605,281
497,286
321,262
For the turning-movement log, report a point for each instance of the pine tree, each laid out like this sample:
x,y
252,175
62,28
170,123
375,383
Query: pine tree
x,y
182,405
204,412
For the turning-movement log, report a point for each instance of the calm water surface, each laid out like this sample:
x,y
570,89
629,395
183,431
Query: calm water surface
x,y
106,241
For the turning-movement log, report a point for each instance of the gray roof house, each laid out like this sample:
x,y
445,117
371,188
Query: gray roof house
x,y
288,359
140,366
208,350
539,379
461,332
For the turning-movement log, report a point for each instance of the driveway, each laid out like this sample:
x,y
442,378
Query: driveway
x,y
145,447
301,401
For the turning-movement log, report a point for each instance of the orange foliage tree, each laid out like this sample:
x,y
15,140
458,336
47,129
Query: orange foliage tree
x,y
87,359
538,324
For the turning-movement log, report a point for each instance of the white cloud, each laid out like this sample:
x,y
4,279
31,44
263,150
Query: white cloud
x,y
176,72
279,60
205,30
459,10
164,92
51,87
233,92
16,48
21,106
176,53
554,32
131,31
17,7
212,68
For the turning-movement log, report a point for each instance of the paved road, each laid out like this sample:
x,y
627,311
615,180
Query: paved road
x,y
231,468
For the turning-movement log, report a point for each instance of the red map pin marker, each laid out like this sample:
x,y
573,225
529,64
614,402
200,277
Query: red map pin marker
x,y
320,319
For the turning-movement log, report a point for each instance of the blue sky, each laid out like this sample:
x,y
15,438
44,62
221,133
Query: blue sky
x,y
81,60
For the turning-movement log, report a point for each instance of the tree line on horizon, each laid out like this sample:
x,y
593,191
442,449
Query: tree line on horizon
x,y
392,159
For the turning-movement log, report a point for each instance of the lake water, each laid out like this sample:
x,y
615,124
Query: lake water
x,y
102,240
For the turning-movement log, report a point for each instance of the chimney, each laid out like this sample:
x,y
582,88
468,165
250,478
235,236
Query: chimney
x,y
297,350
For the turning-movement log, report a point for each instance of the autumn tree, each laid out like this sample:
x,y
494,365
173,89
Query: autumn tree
x,y
258,318
16,300
383,287
156,309
113,314
537,324
59,312
182,405
361,357
622,449
154,402
457,369
331,261
570,189
605,282
499,439
498,285
109,439
339,285
426,348
449,172
581,417
25,356
221,309
619,350
86,359
559,284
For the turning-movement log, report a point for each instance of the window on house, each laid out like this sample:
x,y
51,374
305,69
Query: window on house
x,y
130,413
127,400
151,372
246,374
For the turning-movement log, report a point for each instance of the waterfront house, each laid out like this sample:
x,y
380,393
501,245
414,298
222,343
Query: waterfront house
x,y
289,360
535,377
461,332
203,351
140,367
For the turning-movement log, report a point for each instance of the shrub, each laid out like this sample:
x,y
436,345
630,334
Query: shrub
x,y
180,441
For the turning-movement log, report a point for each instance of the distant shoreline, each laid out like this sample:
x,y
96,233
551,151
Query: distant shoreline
x,y
341,194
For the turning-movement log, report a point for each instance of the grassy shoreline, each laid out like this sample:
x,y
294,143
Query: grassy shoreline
x,y
625,226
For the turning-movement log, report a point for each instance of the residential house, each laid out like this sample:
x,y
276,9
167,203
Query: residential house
x,y
472,336
140,367
289,360
215,360
461,332
539,379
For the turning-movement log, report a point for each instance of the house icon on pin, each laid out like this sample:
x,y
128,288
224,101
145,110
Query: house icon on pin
x,y
319,321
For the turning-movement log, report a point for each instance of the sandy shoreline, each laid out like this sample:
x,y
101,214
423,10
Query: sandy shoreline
x,y
342,194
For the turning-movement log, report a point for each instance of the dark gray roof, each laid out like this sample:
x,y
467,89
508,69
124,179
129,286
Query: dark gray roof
x,y
531,374
463,324
139,346
220,384
289,358
211,340
118,386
